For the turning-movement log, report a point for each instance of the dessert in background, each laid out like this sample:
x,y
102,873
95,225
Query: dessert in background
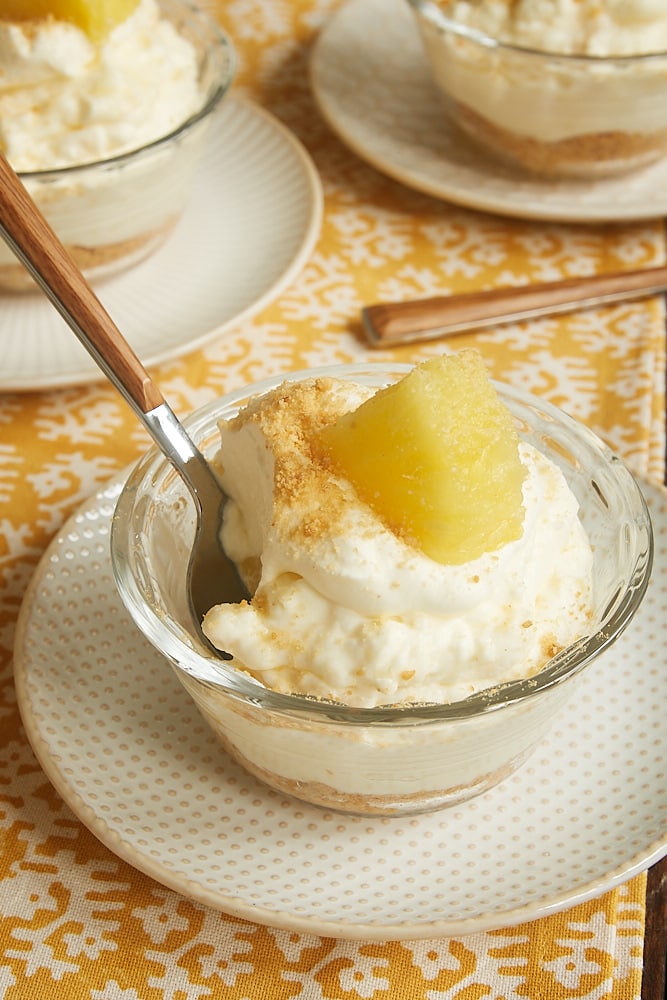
x,y
405,547
562,87
87,90
77,91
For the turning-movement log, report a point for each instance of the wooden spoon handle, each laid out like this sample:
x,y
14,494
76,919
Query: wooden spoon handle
x,y
36,245
427,319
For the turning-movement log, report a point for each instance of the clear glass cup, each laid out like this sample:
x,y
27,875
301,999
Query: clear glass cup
x,y
113,213
378,761
553,114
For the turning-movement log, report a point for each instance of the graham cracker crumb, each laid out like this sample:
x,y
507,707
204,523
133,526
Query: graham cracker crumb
x,y
596,153
290,418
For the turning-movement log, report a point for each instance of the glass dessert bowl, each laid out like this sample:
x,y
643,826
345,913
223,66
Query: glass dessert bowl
x,y
564,113
396,758
113,210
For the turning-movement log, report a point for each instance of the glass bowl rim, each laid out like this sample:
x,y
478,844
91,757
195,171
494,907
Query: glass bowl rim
x,y
223,45
435,15
217,675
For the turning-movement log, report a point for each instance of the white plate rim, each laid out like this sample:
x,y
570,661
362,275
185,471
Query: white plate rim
x,y
311,190
231,904
508,199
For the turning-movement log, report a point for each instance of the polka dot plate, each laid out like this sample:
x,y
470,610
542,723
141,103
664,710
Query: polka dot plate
x,y
122,743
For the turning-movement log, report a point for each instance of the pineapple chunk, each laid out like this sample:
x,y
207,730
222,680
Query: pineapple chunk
x,y
96,17
436,456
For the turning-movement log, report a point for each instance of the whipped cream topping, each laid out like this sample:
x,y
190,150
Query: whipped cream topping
x,y
344,609
581,27
66,101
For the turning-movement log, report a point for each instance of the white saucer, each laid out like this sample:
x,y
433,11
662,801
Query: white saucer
x,y
250,226
126,749
371,83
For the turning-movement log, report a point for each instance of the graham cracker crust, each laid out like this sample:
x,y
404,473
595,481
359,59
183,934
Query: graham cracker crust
x,y
323,795
107,258
596,154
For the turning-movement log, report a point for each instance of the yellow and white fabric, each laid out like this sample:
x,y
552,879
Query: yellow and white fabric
x,y
78,923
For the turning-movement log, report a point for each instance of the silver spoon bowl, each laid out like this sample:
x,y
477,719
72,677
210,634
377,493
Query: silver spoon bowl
x,y
212,577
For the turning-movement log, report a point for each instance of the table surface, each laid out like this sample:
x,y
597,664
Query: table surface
x,y
75,920
654,983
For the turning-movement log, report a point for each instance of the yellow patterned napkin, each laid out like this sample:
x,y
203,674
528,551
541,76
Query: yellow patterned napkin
x,y
77,922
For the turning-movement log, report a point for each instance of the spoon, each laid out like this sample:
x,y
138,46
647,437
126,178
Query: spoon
x,y
212,577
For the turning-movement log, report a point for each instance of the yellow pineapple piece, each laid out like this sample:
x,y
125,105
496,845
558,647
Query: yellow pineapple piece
x,y
436,455
96,17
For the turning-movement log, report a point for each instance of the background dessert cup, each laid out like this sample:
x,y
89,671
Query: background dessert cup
x,y
553,113
386,760
115,211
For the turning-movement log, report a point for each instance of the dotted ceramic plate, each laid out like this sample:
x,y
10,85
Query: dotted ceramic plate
x,y
371,82
248,229
124,746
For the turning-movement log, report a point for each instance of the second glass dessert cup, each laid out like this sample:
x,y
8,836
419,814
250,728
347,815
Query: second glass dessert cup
x,y
555,114
397,759
114,212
